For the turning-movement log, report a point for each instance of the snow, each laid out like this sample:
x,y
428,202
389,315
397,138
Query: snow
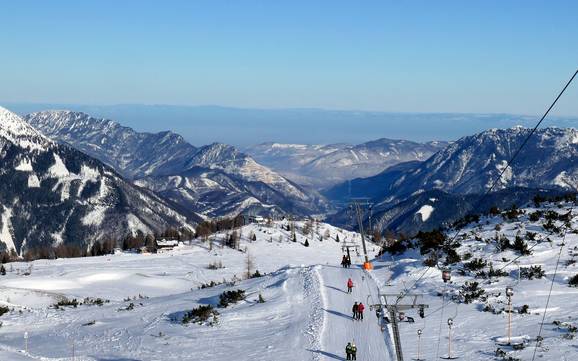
x,y
17,131
337,306
134,224
24,166
477,334
58,169
425,211
288,326
506,176
289,146
88,173
564,181
95,216
33,181
306,315
5,234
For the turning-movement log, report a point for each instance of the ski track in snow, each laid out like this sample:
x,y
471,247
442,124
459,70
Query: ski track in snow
x,y
339,327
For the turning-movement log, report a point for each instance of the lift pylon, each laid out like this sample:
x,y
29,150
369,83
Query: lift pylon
x,y
357,205
394,311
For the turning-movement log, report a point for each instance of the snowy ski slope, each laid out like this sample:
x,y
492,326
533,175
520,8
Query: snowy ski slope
x,y
306,314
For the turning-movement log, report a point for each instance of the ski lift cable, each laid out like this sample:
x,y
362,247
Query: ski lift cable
x,y
571,209
550,291
508,165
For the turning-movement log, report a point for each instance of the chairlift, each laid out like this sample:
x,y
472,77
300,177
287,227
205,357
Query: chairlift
x,y
446,275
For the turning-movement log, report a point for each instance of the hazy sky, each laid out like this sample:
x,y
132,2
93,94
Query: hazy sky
x,y
416,56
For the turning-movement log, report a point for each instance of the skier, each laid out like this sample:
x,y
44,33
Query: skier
x,y
353,351
355,310
348,262
348,350
349,285
344,261
360,309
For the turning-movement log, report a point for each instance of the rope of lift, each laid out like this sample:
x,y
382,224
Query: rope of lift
x,y
533,246
552,283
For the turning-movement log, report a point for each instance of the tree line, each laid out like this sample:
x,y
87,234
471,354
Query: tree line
x,y
106,245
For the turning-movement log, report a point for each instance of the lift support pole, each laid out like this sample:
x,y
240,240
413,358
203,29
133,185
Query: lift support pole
x,y
393,311
357,207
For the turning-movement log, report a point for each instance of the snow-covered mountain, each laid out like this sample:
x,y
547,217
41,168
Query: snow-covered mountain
x,y
324,165
52,194
216,180
468,166
221,181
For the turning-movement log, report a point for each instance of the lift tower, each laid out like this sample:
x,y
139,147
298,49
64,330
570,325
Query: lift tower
x,y
358,204
394,310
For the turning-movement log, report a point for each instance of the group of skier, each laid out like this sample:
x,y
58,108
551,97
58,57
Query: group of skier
x,y
351,351
357,310
346,262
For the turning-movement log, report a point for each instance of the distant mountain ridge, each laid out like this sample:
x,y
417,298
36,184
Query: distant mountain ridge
x,y
131,153
215,180
472,163
468,167
322,166
52,194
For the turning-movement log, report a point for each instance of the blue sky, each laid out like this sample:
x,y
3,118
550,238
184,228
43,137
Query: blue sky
x,y
411,56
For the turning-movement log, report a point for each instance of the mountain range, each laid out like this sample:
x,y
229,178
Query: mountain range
x,y
52,194
219,180
213,180
469,166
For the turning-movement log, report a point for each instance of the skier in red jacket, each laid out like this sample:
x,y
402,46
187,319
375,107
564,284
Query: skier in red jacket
x,y
349,285
360,308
